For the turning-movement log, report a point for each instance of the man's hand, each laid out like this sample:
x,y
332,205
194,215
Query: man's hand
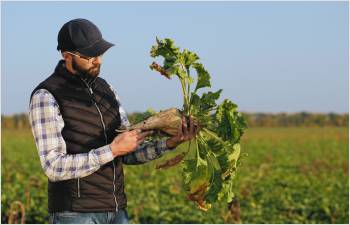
x,y
128,142
184,133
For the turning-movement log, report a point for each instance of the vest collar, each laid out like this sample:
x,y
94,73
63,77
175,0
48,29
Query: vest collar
x,y
62,70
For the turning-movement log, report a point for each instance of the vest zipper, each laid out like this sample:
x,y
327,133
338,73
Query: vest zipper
x,y
104,132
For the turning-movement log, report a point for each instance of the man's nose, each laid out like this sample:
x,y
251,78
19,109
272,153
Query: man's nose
x,y
97,60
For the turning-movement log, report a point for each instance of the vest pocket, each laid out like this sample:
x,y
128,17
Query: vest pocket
x,y
78,183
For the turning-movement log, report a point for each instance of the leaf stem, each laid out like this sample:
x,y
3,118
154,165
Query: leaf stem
x,y
188,91
183,85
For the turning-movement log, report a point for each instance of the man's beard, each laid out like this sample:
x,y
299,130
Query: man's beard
x,y
93,72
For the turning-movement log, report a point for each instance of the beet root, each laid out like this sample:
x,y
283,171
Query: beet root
x,y
167,121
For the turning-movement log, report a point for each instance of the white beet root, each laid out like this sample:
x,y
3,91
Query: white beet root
x,y
167,121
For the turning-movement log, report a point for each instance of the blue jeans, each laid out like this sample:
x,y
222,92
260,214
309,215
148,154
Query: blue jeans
x,y
99,217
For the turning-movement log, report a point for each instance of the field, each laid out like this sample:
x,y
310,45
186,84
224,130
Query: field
x,y
291,175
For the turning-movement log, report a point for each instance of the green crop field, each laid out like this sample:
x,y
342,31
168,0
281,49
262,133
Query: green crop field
x,y
291,175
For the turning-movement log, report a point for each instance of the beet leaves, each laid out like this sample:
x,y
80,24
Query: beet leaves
x,y
209,172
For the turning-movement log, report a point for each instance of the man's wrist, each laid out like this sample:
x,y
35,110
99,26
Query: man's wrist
x,y
114,151
104,154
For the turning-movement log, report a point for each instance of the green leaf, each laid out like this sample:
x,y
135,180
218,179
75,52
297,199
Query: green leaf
x,y
165,48
170,63
215,143
234,155
223,161
195,176
208,100
189,166
215,187
195,100
203,76
230,123
189,58
226,191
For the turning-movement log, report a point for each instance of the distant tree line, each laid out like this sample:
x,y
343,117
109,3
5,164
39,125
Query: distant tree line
x,y
17,121
296,119
305,119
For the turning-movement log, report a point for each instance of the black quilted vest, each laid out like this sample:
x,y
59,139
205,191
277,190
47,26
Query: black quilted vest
x,y
91,114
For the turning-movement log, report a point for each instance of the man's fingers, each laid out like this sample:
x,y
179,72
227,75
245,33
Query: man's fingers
x,y
184,126
141,137
147,133
140,141
144,134
135,132
192,129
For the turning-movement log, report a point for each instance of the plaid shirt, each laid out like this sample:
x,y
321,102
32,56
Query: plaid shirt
x,y
47,124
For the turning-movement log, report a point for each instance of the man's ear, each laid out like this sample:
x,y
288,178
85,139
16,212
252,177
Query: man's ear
x,y
68,61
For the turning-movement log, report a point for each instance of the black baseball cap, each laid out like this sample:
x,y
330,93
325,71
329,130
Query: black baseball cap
x,y
83,36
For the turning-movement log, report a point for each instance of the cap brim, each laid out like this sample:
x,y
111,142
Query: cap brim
x,y
97,49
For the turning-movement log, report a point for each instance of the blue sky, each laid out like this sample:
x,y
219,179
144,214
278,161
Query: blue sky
x,y
266,56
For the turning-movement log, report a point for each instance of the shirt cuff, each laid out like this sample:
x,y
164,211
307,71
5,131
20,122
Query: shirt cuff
x,y
161,146
104,154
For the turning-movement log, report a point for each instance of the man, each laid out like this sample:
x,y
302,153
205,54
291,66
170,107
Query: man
x,y
74,115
